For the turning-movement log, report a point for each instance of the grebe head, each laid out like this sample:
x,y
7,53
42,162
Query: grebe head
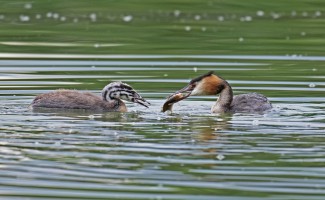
x,y
206,84
119,90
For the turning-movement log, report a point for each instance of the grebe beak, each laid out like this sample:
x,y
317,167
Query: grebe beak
x,y
178,95
139,100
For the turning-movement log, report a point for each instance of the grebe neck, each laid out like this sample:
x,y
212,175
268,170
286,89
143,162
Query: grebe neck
x,y
224,101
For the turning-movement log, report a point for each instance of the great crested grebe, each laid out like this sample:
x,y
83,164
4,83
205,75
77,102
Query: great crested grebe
x,y
109,101
211,84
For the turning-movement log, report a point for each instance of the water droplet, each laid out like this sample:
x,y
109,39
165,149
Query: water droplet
x,y
63,18
115,133
93,17
177,13
56,15
187,28
255,122
303,33
203,29
293,13
195,69
36,143
24,18
197,17
2,17
312,85
49,14
314,69
318,13
96,45
241,39
57,143
91,117
220,157
93,67
260,13
165,75
127,18
28,6
38,16
304,14
158,118
275,15
193,141
71,131
75,20
248,18
221,18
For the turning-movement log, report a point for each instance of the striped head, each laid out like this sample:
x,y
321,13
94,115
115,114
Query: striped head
x,y
119,90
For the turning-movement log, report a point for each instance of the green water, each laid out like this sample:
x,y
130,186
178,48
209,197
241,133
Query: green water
x,y
272,47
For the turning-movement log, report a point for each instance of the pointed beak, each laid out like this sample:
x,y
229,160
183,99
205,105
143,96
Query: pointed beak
x,y
142,102
187,90
139,100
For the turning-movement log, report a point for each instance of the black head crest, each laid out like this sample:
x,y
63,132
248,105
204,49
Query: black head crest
x,y
201,77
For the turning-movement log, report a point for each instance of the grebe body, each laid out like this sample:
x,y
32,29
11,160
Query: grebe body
x,y
111,99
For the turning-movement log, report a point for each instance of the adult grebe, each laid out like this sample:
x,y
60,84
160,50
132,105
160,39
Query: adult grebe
x,y
211,84
72,99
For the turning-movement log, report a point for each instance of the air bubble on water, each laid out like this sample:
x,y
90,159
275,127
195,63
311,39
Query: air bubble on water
x,y
304,14
49,14
24,18
115,133
248,18
96,45
260,13
75,20
93,67
197,17
203,29
71,131
56,15
314,69
28,6
187,28
293,13
38,16
127,18
312,85
221,18
275,15
318,13
57,143
255,122
91,117
193,141
287,38
241,39
220,157
177,13
36,143
303,33
165,75
158,118
2,17
63,18
93,17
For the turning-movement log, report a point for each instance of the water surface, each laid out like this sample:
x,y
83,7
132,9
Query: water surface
x,y
276,50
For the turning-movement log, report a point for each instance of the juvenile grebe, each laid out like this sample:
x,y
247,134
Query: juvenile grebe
x,y
72,99
211,84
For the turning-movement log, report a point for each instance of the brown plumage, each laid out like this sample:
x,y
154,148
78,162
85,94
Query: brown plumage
x,y
72,99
